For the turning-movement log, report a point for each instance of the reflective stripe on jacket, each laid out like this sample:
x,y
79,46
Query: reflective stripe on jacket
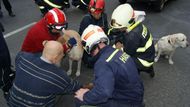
x,y
138,43
116,78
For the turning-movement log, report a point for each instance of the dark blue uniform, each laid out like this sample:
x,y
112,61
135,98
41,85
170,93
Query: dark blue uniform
x,y
6,73
117,83
87,20
138,43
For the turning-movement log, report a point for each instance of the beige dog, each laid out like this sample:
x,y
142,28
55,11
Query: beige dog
x,y
168,44
76,52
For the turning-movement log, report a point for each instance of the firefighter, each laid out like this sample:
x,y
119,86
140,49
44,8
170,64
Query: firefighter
x,y
137,39
96,16
48,28
46,5
117,83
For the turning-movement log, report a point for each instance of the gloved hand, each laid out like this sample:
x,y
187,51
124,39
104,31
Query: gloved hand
x,y
72,42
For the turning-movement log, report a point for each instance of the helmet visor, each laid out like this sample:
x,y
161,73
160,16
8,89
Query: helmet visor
x,y
90,48
60,27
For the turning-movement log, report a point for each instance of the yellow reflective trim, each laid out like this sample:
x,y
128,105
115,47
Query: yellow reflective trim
x,y
144,32
145,63
41,7
110,30
51,4
133,26
147,45
112,55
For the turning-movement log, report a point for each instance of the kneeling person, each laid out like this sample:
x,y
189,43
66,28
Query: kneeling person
x,y
38,80
117,83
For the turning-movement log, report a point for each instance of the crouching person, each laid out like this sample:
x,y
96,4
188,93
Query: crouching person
x,y
117,83
38,80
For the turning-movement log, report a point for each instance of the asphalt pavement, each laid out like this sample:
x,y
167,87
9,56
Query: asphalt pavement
x,y
171,85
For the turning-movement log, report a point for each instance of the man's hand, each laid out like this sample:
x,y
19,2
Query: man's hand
x,y
80,93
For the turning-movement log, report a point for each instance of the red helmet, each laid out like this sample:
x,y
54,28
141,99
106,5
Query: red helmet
x,y
56,18
96,6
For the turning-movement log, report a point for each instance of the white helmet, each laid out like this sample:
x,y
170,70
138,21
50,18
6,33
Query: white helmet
x,y
122,16
91,36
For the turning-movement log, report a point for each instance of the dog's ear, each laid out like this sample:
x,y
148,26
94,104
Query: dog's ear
x,y
172,39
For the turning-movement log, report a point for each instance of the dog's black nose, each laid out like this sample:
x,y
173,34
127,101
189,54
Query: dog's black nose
x,y
187,44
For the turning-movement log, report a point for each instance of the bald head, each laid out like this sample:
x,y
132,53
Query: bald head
x,y
53,51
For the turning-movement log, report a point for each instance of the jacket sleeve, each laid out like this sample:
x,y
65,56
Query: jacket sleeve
x,y
64,84
103,86
131,43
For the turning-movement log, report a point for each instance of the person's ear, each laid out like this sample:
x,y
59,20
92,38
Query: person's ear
x,y
44,42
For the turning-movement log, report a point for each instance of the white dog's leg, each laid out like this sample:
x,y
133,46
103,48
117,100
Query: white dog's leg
x,y
78,68
158,56
70,67
170,58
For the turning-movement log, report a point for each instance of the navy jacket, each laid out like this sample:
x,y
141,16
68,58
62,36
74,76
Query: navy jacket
x,y
116,79
138,38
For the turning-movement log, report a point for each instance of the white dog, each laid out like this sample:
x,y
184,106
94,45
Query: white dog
x,y
167,45
76,52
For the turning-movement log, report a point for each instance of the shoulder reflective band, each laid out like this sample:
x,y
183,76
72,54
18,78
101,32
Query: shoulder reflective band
x,y
147,45
51,4
145,63
133,26
112,55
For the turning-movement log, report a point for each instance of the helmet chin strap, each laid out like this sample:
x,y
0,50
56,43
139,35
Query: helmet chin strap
x,y
95,58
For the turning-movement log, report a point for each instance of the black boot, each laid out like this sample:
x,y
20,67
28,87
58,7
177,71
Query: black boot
x,y
152,74
12,14
1,14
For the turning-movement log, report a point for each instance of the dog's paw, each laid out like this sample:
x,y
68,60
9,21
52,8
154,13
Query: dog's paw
x,y
171,62
69,72
156,60
77,73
